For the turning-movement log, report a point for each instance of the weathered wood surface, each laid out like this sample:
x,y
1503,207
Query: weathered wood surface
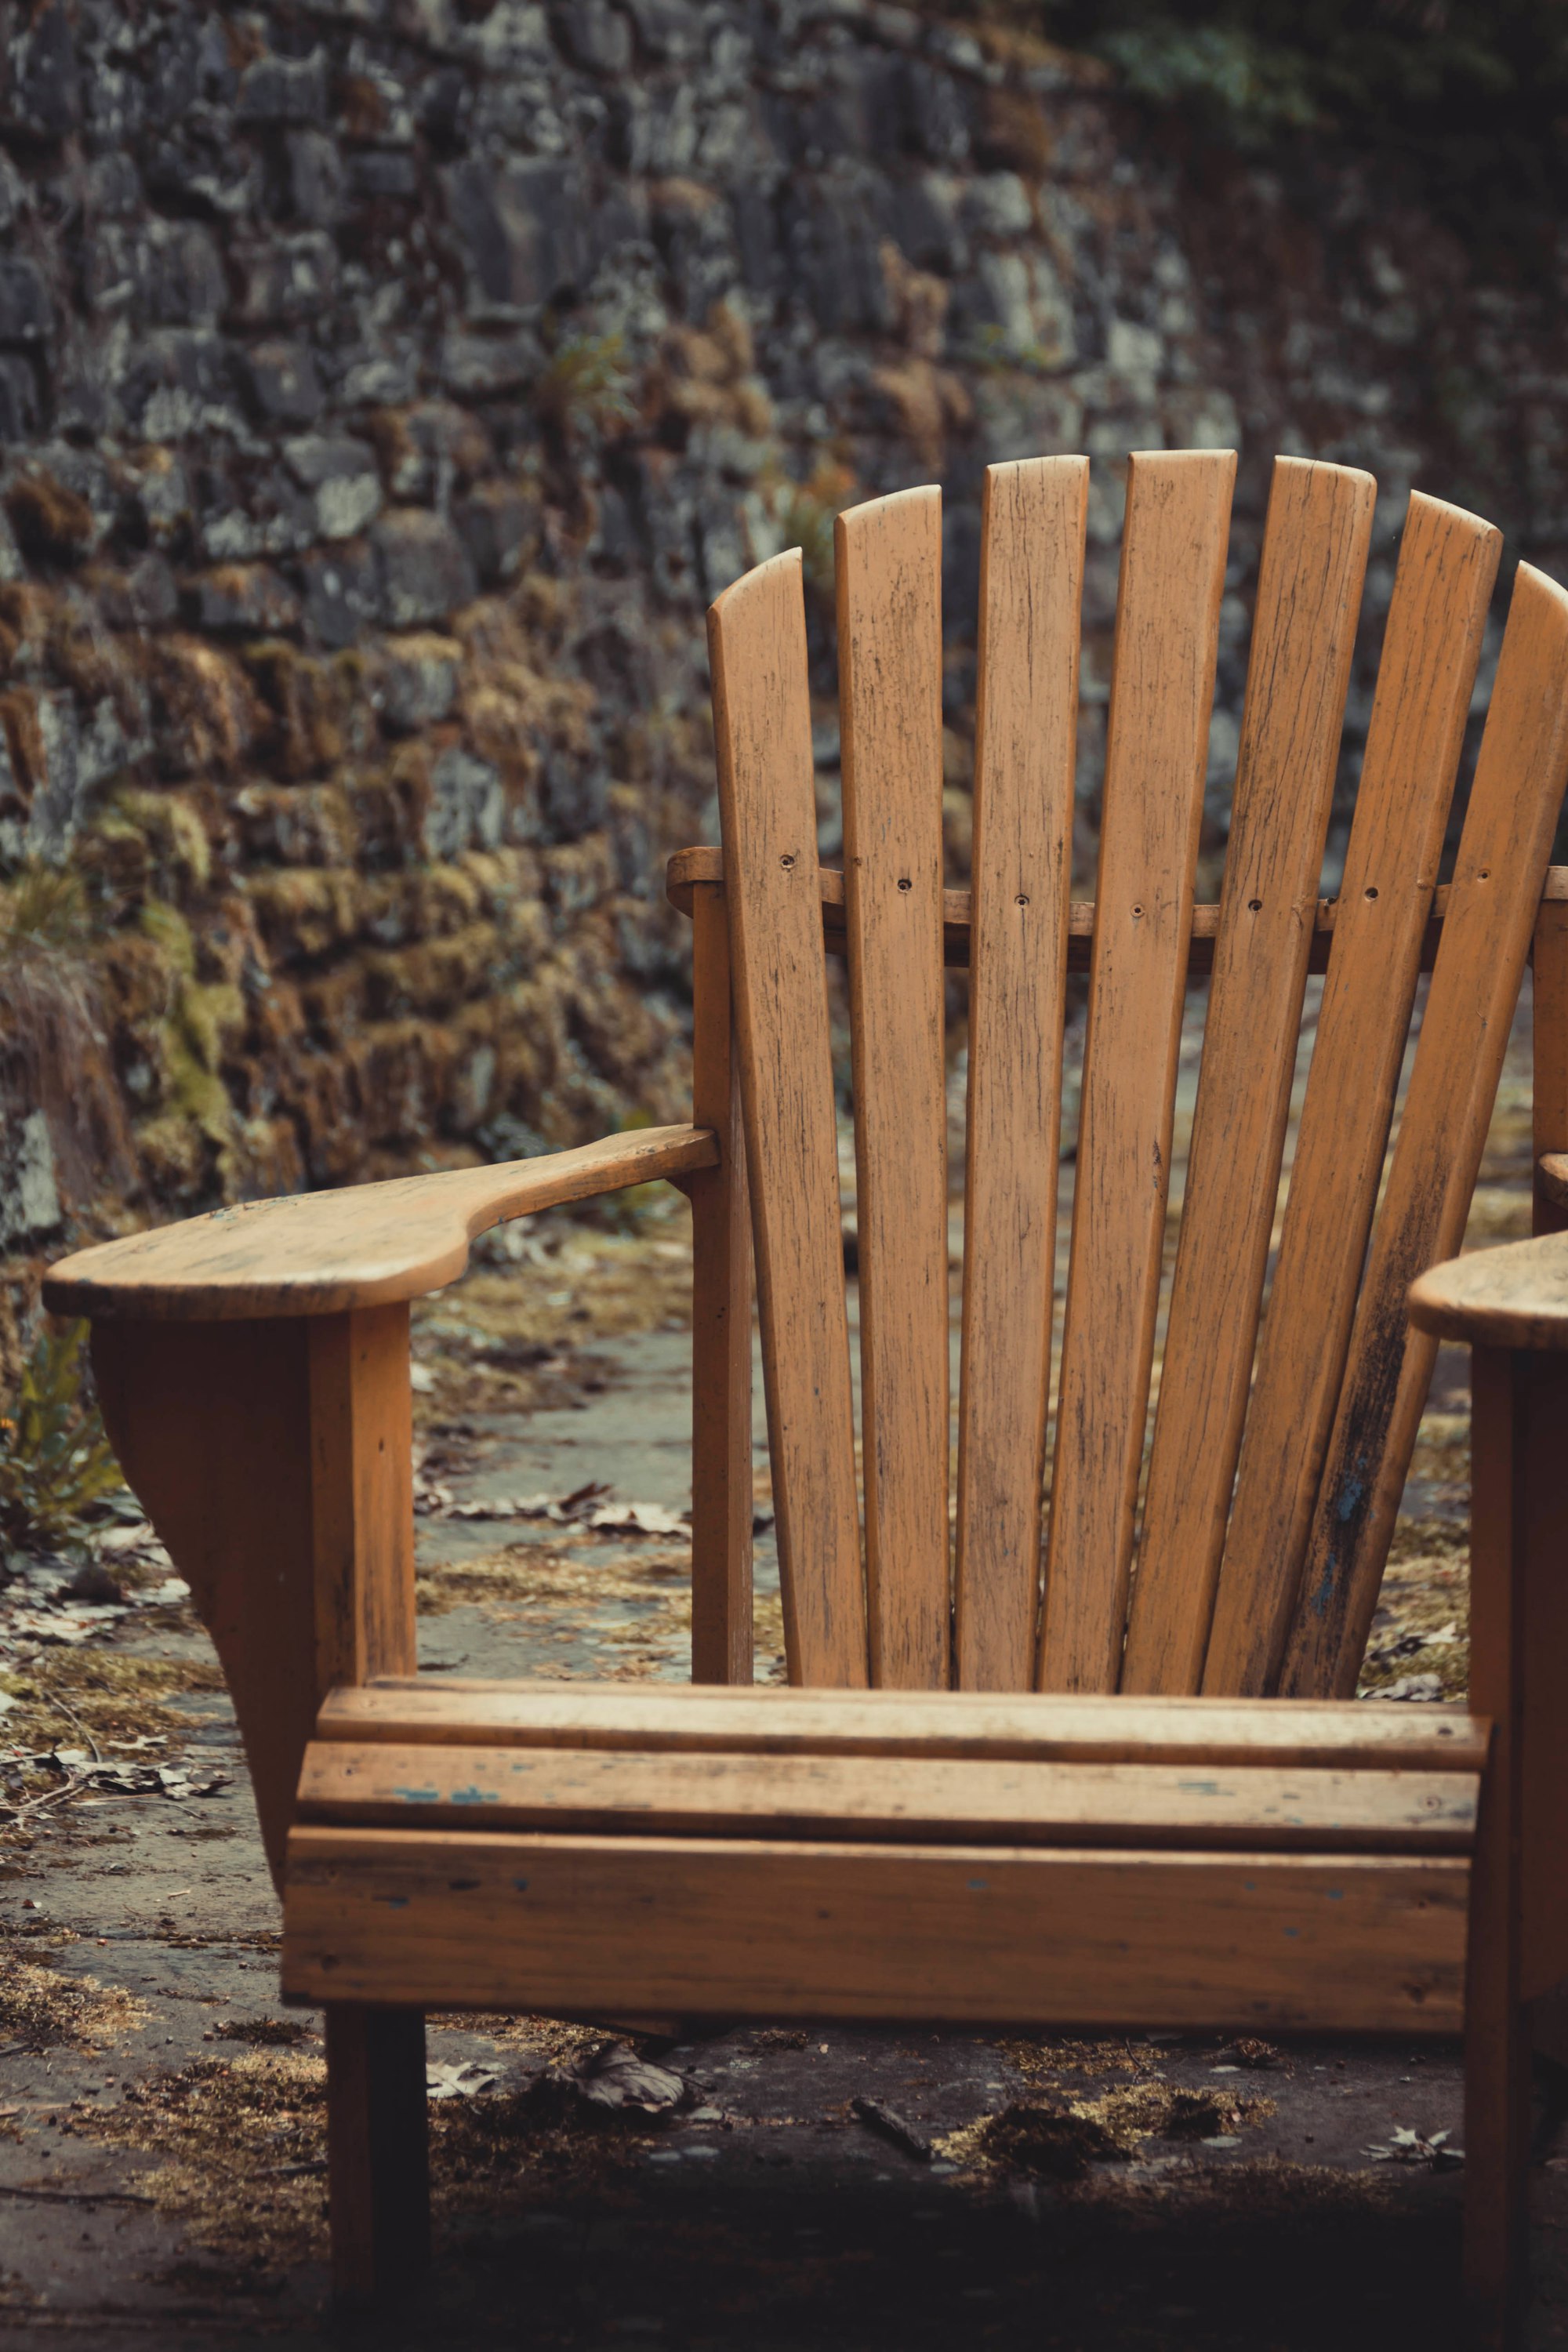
x,y
722,1493
1552,1186
1512,1297
971,1934
1519,1934
1031,589
1332,1734
378,2175
631,1792
889,699
689,866
1314,556
1167,621
1549,1076
362,1495
768,807
369,1246
1448,562
1514,804
273,1459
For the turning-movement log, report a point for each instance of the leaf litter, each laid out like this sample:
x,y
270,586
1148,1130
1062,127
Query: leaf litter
x,y
241,2141
1057,2139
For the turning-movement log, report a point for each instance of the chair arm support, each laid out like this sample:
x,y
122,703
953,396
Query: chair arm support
x,y
368,1245
1516,1297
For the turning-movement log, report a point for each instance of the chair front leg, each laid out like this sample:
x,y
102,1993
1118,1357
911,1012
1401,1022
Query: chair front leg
x,y
1519,1913
275,1459
378,2173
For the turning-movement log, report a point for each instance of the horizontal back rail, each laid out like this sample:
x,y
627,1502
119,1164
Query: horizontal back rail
x,y
688,866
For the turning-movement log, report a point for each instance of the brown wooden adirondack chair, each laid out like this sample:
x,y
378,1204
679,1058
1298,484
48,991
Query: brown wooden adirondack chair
x,y
1095,1798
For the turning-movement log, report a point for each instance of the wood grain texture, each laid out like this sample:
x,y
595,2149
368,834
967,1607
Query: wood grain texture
x,y
1315,546
1552,1182
361,1486
1031,590
274,1459
1513,809
970,1935
1331,1733
721,1488
1172,573
1448,562
890,700
707,865
378,2172
1549,1090
211,1423
369,1246
768,809
1513,1296
632,1792
1497,2048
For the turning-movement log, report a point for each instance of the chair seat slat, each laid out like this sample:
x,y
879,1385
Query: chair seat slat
x,y
1303,634
634,1793
1075,1726
1172,574
1032,557
764,1928
1432,642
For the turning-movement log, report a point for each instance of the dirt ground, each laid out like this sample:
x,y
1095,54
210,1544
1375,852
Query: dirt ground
x,y
162,2122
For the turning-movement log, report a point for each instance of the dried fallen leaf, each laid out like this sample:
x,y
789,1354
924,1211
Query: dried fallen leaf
x,y
615,2079
464,2079
1407,2144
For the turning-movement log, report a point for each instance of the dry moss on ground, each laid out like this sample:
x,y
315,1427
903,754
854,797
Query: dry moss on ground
x,y
107,1695
242,2144
1059,2139
43,2008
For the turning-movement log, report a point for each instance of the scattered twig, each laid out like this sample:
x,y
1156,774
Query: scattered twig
x,y
62,1707
888,2124
76,2196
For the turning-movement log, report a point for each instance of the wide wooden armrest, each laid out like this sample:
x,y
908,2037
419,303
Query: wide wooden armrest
x,y
1516,1297
368,1245
1552,1177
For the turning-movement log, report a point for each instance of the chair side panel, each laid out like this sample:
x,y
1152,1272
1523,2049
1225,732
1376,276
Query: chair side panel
x,y
768,810
1448,562
1172,574
1308,596
1497,879
1031,591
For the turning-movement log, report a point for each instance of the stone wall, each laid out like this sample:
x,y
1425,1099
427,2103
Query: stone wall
x,y
383,391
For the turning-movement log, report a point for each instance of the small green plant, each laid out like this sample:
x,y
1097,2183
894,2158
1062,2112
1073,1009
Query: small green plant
x,y
806,512
586,386
989,351
42,907
57,1467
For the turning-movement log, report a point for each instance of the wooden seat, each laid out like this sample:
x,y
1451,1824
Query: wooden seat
x,y
1090,1755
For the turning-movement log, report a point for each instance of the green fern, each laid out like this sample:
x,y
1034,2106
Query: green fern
x,y
56,1467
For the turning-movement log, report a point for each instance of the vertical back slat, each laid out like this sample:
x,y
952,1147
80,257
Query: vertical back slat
x,y
721,1495
1448,563
1515,801
1308,597
1172,574
1031,588
890,671
768,807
